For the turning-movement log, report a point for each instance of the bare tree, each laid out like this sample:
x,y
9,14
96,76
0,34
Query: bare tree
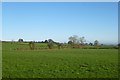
x,y
96,42
82,40
74,39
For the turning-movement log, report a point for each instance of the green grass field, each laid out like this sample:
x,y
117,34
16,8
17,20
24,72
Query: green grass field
x,y
55,63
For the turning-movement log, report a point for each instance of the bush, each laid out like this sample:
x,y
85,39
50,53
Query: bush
x,y
31,45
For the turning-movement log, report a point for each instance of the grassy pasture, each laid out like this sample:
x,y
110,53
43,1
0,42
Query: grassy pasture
x,y
55,63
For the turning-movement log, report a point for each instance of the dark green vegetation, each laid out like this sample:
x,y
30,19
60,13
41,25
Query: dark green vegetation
x,y
58,63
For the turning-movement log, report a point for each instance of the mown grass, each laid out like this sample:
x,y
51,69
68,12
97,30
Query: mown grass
x,y
63,63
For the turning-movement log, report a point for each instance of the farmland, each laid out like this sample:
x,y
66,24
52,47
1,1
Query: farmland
x,y
58,63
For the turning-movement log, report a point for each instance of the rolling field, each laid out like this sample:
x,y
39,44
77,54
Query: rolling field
x,y
55,63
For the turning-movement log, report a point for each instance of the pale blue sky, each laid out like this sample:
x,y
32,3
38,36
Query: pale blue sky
x,y
58,21
0,20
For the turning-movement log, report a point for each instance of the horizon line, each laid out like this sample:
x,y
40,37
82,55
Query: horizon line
x,y
111,43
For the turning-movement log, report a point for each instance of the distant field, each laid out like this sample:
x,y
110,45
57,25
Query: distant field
x,y
55,63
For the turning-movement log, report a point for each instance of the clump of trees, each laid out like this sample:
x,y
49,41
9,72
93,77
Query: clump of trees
x,y
96,43
59,45
91,44
119,44
79,42
32,45
50,43
20,40
76,41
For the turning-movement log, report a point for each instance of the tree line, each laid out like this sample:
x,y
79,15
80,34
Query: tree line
x,y
74,42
